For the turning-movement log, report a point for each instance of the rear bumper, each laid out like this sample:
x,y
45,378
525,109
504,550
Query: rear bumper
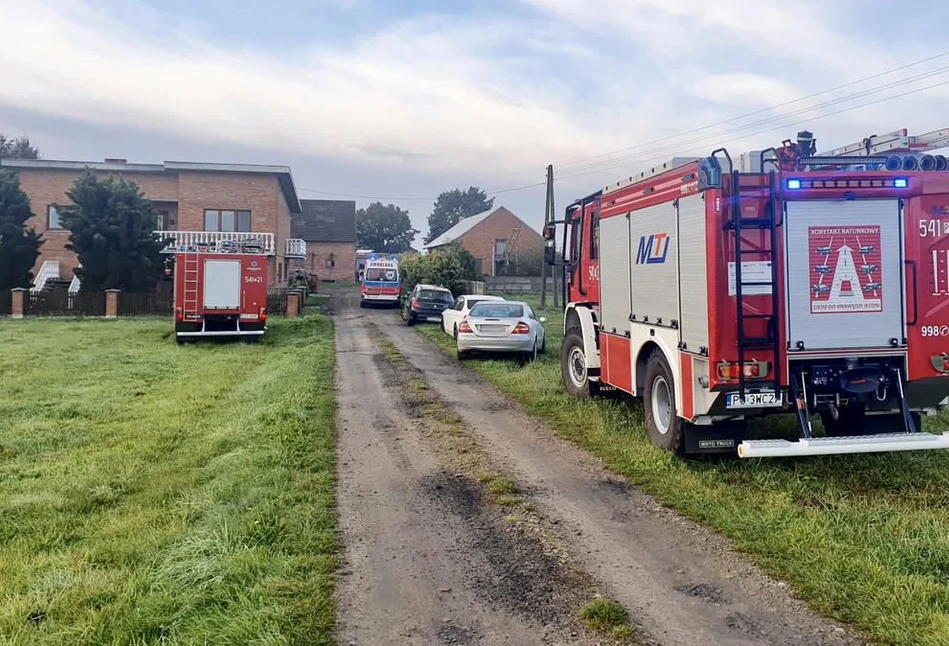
x,y
468,342
222,333
388,298
426,313
882,443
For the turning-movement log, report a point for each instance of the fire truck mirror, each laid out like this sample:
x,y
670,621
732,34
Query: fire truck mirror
x,y
550,255
549,232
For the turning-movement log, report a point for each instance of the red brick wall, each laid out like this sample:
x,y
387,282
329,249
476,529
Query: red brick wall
x,y
192,191
479,241
344,259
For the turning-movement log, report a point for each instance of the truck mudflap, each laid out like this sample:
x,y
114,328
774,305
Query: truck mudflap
x,y
883,442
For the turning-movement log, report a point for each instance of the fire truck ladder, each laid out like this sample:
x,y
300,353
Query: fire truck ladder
x,y
744,250
191,285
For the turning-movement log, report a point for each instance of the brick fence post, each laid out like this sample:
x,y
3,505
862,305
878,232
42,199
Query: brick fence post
x,y
112,303
17,297
293,304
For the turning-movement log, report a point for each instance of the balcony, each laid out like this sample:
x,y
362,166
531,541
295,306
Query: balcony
x,y
219,241
295,248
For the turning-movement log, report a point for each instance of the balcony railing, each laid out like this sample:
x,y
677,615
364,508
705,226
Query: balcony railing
x,y
218,241
295,248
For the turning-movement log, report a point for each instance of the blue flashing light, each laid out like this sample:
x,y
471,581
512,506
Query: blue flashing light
x,y
794,184
900,182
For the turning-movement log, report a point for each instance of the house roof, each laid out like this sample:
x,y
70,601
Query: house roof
x,y
325,221
464,226
117,166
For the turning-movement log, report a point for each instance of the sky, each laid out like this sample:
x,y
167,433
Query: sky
x,y
397,101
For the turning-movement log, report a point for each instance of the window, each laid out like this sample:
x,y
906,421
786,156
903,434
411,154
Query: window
x,y
330,261
53,218
162,221
215,220
595,235
487,309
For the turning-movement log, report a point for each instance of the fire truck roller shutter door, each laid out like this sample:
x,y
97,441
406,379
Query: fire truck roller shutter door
x,y
654,267
693,273
614,275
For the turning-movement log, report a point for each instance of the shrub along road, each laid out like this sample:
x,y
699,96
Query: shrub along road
x,y
151,493
681,583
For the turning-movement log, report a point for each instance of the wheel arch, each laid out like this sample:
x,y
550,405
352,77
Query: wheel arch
x,y
584,318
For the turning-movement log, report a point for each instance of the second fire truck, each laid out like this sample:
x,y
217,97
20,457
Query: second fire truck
x,y
786,281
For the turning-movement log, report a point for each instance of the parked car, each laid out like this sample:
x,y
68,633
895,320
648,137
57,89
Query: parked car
x,y
501,326
453,316
426,303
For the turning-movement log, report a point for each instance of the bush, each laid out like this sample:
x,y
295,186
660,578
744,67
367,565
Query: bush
x,y
451,268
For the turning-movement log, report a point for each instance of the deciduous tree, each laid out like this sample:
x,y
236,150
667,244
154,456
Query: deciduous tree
x,y
385,228
454,205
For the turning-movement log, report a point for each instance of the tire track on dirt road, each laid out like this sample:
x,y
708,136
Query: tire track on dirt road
x,y
426,560
682,582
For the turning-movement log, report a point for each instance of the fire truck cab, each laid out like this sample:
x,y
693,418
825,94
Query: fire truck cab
x,y
782,282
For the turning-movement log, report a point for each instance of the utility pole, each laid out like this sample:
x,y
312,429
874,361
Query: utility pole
x,y
548,218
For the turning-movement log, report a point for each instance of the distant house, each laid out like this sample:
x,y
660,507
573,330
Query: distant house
x,y
493,237
329,229
194,203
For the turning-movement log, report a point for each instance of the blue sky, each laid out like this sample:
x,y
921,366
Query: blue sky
x,y
402,99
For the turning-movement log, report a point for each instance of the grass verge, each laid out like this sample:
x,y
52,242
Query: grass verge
x,y
864,539
151,493
607,617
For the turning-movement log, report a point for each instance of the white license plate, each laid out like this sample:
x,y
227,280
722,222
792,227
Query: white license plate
x,y
433,319
752,400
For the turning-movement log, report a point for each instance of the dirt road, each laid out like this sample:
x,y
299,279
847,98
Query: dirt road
x,y
421,559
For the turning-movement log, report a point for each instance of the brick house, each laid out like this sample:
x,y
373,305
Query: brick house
x,y
329,229
493,237
194,203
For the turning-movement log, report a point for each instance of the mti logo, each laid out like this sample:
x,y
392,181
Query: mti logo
x,y
652,249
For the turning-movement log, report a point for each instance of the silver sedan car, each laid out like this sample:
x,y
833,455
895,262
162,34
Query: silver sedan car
x,y
502,326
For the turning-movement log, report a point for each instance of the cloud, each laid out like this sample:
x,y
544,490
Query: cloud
x,y
422,92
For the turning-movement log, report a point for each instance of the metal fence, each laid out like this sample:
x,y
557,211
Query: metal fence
x,y
6,302
64,304
277,301
159,302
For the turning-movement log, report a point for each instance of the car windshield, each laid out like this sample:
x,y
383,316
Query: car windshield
x,y
382,274
487,309
435,295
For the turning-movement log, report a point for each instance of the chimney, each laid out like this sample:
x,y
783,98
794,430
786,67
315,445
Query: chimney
x,y
115,160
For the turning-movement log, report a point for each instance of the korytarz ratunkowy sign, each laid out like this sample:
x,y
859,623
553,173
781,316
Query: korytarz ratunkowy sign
x,y
845,269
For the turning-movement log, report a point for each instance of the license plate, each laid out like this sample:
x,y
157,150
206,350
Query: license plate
x,y
433,319
492,330
752,400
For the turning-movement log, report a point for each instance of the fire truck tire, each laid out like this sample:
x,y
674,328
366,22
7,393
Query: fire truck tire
x,y
362,304
665,428
573,366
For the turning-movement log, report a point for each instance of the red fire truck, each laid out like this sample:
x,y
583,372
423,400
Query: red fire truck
x,y
220,292
785,281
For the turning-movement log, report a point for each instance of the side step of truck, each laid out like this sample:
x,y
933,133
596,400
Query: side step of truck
x,y
883,442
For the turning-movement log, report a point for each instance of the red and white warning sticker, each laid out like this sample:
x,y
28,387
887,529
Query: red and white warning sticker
x,y
845,269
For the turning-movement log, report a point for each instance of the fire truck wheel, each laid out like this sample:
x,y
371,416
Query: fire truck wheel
x,y
573,366
362,304
663,425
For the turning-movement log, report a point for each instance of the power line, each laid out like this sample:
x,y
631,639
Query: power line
x,y
679,145
757,112
787,125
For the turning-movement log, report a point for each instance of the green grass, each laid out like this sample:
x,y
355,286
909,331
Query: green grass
x,y
317,300
862,538
151,493
607,617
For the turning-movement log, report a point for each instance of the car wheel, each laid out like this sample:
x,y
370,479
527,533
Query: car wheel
x,y
573,366
454,334
410,321
543,345
665,428
463,355
532,355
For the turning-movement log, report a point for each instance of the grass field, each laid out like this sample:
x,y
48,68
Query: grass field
x,y
151,493
861,538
